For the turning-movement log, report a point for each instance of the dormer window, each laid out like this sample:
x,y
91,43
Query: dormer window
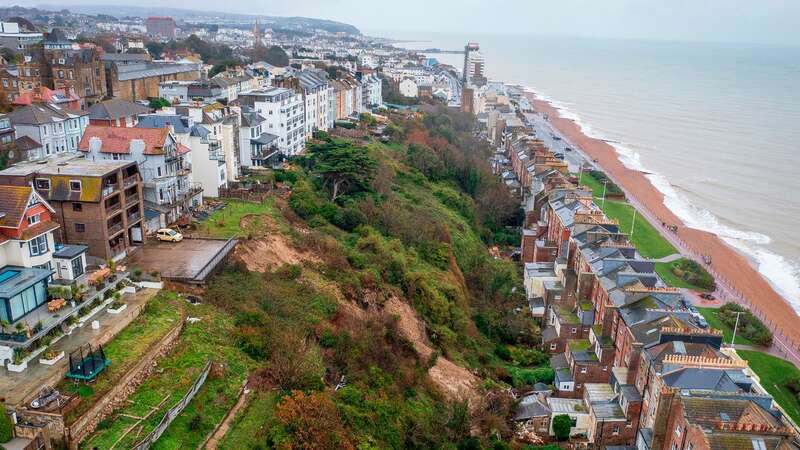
x,y
75,185
34,219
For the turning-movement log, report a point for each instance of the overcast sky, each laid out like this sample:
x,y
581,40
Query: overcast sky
x,y
771,21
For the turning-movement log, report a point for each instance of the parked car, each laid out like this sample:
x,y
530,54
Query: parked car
x,y
707,297
702,322
559,155
168,235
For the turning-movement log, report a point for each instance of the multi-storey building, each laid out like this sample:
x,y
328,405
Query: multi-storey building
x,y
160,26
17,39
284,112
316,91
473,73
257,147
97,203
58,130
116,113
168,191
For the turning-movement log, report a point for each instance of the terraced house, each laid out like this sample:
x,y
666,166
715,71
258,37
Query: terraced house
x,y
56,129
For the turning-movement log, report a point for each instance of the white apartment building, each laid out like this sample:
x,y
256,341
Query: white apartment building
x,y
372,87
257,147
316,96
284,111
408,88
57,129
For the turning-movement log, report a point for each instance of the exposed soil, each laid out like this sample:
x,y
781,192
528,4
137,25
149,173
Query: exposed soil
x,y
454,381
270,251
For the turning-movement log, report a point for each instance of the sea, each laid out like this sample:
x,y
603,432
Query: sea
x,y
717,125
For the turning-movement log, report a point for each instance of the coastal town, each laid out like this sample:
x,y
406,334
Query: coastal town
x,y
242,232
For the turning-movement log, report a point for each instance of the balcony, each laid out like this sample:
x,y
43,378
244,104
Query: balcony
x,y
130,181
134,217
132,198
184,170
113,209
115,228
109,189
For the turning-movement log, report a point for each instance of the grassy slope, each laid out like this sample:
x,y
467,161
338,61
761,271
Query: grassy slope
x,y
160,315
207,339
247,431
224,223
710,314
774,372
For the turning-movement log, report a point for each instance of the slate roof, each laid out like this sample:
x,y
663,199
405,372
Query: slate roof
x,y
26,143
179,123
529,407
697,378
69,251
42,113
117,140
116,109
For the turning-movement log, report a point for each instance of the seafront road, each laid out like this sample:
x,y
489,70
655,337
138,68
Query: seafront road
x,y
737,280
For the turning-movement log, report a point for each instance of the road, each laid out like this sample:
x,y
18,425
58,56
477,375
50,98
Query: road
x,y
781,345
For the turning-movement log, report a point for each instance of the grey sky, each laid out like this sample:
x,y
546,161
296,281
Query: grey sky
x,y
707,20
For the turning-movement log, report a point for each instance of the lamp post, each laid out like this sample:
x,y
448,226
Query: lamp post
x,y
633,223
603,201
733,339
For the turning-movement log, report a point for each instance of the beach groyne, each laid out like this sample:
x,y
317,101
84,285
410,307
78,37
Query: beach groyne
x,y
739,280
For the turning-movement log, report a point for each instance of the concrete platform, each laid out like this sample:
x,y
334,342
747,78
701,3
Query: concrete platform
x,y
190,260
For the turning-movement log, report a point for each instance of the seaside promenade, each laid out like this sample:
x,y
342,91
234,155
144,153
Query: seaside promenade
x,y
737,279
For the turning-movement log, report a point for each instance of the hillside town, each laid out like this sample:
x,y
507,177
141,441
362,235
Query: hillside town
x,y
120,137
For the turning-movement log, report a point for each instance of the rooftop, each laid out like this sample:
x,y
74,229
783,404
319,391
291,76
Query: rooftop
x,y
66,164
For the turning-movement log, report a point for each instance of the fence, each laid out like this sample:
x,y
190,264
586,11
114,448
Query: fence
x,y
175,410
243,194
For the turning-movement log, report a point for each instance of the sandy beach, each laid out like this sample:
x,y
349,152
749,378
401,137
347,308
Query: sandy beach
x,y
734,272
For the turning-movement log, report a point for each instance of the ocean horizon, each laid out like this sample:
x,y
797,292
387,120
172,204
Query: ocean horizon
x,y
715,125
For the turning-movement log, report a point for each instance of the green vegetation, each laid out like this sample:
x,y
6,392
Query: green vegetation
x,y
159,102
594,180
160,315
208,339
6,427
226,222
779,377
247,431
715,321
685,273
646,238
750,326
562,424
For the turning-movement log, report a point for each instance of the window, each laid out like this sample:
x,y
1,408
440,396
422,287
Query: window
x,y
43,184
77,207
583,369
553,346
75,185
77,267
34,219
574,330
678,431
615,430
38,245
80,227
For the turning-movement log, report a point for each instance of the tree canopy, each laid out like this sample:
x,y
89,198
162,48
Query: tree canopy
x,y
562,423
343,167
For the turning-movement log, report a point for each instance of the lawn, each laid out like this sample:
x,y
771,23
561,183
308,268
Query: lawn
x,y
225,223
774,373
647,239
247,430
664,271
210,338
161,314
710,314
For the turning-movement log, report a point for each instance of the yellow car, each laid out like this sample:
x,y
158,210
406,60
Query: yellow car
x,y
168,235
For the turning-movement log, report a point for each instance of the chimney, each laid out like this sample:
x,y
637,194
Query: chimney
x,y
95,144
136,146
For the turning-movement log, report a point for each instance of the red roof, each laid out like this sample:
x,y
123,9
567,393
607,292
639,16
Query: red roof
x,y
117,140
182,149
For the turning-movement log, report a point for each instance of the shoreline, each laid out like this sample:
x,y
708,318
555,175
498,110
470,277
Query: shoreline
x,y
738,278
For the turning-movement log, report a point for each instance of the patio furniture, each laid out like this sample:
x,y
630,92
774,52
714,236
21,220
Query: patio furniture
x,y
101,274
56,304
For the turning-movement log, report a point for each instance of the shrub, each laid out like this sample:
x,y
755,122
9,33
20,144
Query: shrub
x,y
749,325
502,352
562,424
6,427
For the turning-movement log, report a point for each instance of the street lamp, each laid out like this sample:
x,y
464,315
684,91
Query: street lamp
x,y
733,339
603,201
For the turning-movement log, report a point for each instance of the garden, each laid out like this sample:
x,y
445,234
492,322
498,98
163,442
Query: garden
x,y
685,273
779,377
750,331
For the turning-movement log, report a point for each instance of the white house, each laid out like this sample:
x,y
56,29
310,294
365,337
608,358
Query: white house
x,y
316,92
257,148
284,111
408,88
57,129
